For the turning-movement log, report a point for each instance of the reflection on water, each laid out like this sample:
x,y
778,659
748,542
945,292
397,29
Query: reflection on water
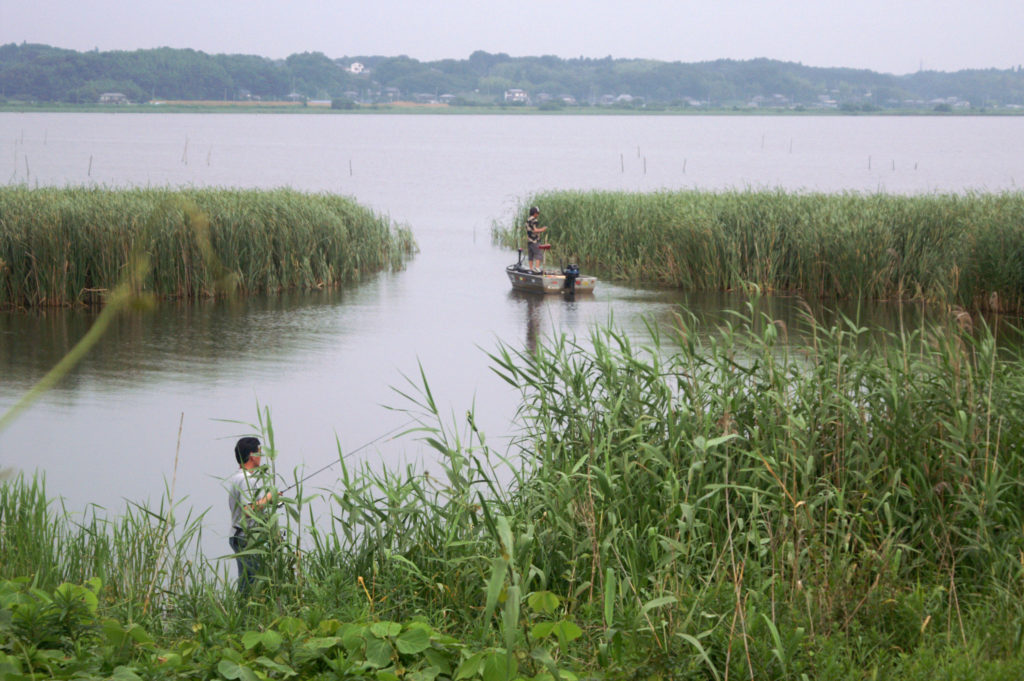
x,y
198,341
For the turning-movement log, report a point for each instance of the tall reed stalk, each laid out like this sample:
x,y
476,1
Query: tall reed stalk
x,y
694,504
965,250
70,245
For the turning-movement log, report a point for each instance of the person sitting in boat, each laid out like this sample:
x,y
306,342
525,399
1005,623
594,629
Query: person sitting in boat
x,y
533,232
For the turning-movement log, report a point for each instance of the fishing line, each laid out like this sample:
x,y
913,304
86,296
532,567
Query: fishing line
x,y
345,456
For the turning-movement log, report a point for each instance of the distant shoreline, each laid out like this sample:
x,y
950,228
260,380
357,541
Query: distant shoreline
x,y
412,108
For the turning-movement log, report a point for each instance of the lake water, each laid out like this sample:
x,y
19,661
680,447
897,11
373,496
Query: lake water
x,y
327,365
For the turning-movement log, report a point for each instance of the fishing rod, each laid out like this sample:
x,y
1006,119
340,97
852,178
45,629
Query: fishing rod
x,y
345,456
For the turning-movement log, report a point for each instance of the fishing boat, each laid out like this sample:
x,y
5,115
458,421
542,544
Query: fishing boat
x,y
567,280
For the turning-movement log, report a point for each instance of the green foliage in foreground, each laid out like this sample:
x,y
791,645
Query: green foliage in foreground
x,y
63,246
702,506
959,250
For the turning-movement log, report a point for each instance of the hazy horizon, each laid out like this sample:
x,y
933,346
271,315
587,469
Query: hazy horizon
x,y
890,36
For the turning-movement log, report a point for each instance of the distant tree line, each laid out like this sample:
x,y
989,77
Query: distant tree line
x,y
48,74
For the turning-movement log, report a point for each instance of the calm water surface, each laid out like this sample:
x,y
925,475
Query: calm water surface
x,y
328,364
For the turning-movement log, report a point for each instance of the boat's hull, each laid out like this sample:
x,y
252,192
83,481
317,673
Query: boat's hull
x,y
548,282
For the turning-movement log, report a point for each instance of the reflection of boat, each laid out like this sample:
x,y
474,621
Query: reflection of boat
x,y
567,280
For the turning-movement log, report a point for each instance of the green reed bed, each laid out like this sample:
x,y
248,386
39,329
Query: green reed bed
x,y
692,505
61,246
956,249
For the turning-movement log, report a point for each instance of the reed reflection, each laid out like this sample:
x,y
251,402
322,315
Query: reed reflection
x,y
200,340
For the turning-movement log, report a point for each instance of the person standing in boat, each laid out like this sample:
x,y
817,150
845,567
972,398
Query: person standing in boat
x,y
533,232
246,500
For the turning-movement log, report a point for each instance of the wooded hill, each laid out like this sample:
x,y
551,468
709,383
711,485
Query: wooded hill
x,y
41,73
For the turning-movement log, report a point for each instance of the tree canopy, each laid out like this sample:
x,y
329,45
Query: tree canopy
x,y
50,74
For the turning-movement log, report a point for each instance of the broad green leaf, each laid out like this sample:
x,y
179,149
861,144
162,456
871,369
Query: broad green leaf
x,y
542,601
412,641
170,660
470,666
510,617
114,632
267,663
542,630
232,670
494,584
290,626
567,631
123,673
500,666
352,636
271,641
385,629
139,635
378,652
428,674
328,628
321,643
251,639
505,534
439,659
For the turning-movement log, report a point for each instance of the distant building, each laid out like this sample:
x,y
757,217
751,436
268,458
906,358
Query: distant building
x,y
113,98
356,68
517,96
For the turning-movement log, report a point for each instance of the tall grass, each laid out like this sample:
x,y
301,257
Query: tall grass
x,y
133,553
692,505
64,246
966,250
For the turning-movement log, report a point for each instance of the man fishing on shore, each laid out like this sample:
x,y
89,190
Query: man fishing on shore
x,y
246,502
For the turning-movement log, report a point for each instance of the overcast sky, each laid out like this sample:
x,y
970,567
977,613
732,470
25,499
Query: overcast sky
x,y
890,36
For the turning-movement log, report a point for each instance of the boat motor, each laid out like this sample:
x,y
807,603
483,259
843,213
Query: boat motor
x,y
571,271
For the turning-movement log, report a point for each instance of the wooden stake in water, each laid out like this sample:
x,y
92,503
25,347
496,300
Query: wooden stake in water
x,y
869,163
684,166
184,153
89,172
350,167
622,162
645,165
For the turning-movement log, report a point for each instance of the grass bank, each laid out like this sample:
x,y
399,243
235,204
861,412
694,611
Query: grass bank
x,y
62,246
698,506
965,250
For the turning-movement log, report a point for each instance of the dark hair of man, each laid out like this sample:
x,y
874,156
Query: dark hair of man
x,y
534,210
245,448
